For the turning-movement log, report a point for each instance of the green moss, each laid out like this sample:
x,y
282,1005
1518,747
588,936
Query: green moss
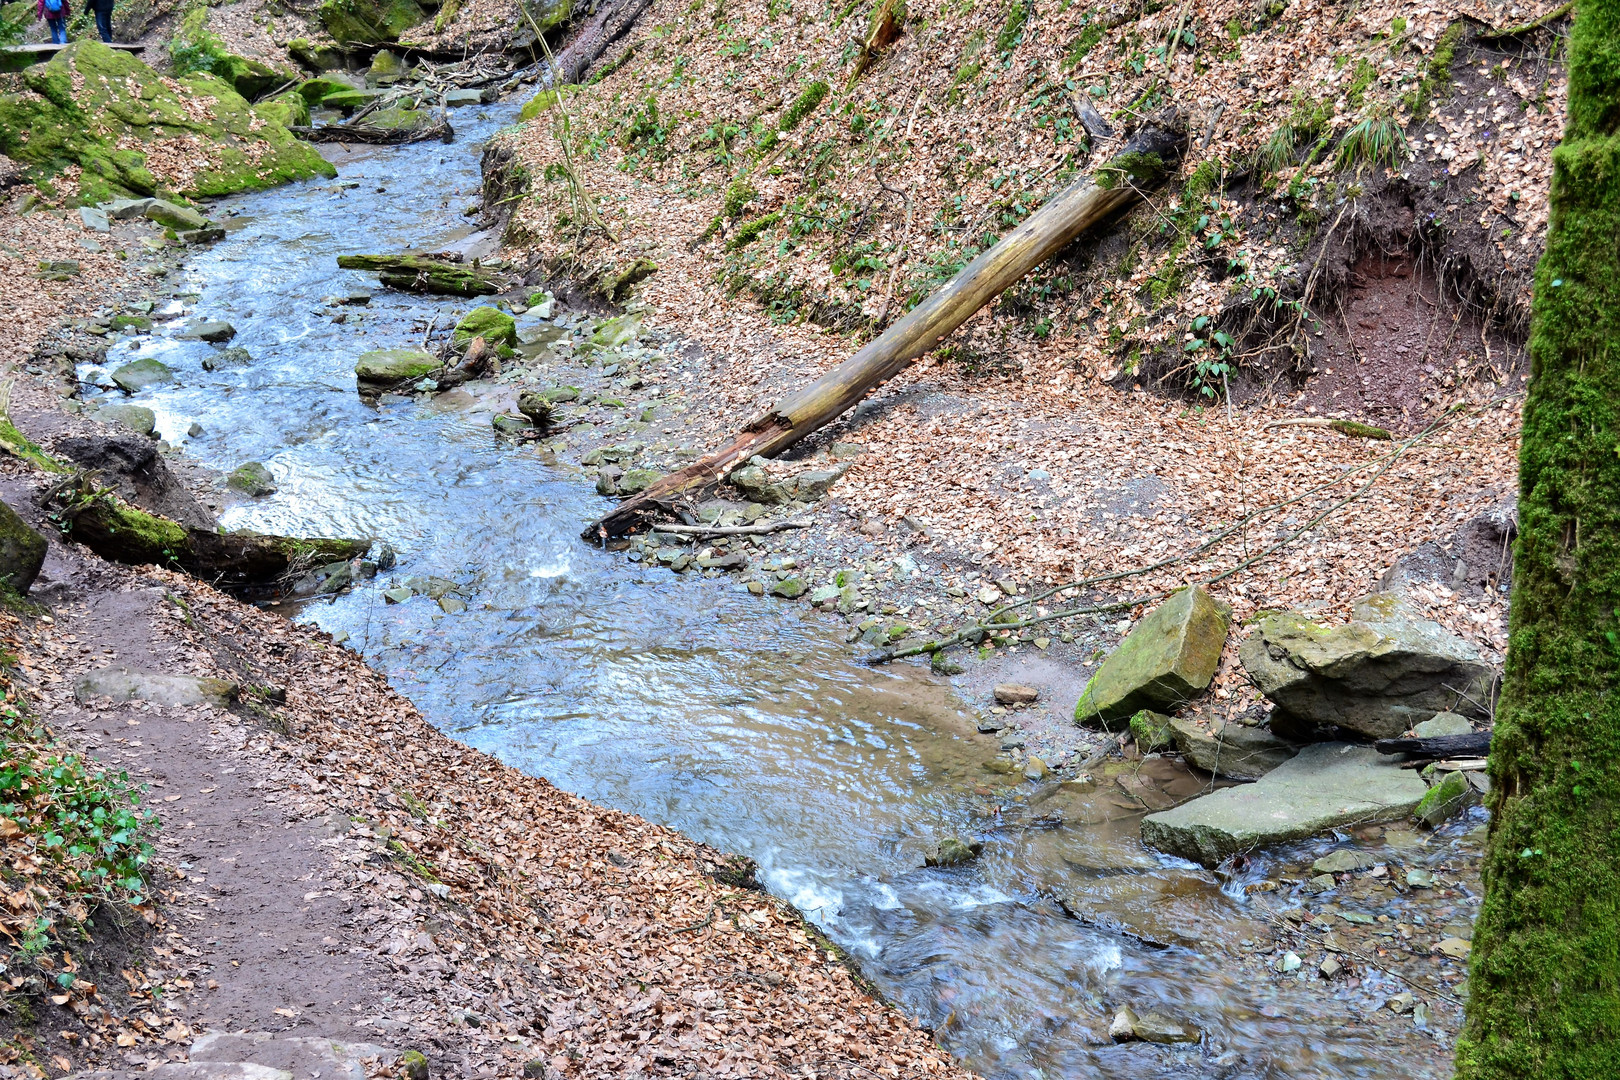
x,y
1012,30
738,195
492,324
1362,78
1544,995
1360,431
143,537
1437,75
1142,169
195,50
752,231
1082,45
544,100
120,101
14,442
288,110
369,22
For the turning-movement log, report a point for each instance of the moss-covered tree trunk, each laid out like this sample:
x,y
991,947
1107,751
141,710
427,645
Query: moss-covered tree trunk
x,y
1545,973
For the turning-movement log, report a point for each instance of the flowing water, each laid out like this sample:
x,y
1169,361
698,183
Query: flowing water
x,y
739,721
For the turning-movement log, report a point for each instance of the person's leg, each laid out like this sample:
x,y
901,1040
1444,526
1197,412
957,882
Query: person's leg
x,y
58,31
104,21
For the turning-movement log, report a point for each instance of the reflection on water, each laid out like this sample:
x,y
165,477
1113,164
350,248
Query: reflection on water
x,y
738,721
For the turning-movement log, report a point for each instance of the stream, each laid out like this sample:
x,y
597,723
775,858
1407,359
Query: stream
x,y
743,722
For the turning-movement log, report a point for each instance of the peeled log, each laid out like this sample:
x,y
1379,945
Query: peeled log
x,y
118,532
1085,204
611,22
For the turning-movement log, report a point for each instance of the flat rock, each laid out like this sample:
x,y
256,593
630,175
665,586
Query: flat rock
x,y
172,214
1165,661
1230,750
327,1058
394,365
122,684
137,375
1378,675
1342,861
468,96
1325,786
214,330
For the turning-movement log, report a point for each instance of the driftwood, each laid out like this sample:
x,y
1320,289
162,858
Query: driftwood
x,y
1085,204
422,273
611,22
1477,744
119,532
475,364
733,530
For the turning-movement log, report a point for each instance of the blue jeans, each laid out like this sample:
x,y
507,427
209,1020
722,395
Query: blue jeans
x,y
58,31
104,21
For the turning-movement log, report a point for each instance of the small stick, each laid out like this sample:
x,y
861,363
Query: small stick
x,y
1343,427
731,530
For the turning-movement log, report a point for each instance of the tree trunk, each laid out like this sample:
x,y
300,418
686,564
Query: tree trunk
x,y
612,21
1088,202
118,532
1544,979
420,273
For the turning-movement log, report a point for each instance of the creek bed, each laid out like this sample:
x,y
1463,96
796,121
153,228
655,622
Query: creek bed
x,y
740,721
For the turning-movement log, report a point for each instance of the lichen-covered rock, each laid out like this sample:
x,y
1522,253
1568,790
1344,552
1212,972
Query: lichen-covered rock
x,y
22,551
394,365
369,22
386,69
318,89
137,418
617,331
172,215
1168,659
1152,732
132,133
495,326
1377,675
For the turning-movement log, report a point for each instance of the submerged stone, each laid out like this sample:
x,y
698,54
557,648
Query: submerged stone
x,y
953,851
1168,658
252,478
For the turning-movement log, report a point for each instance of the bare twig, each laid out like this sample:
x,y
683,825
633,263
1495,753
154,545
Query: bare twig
x,y
731,530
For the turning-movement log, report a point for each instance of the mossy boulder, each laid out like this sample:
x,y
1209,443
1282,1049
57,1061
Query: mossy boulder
x,y
1377,675
369,22
386,69
1445,800
22,551
288,110
195,50
617,331
349,99
137,418
137,375
251,478
543,101
387,366
317,90
400,119
1168,659
495,326
1151,730
313,57
103,110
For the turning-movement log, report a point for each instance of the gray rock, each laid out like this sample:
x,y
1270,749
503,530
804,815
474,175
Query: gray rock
x,y
1165,661
172,215
303,1057
1377,675
137,418
1342,861
813,485
1158,1028
753,481
1231,750
394,365
1325,786
252,478
137,375
126,209
210,235
122,684
226,357
22,551
1446,723
469,96
214,330
94,219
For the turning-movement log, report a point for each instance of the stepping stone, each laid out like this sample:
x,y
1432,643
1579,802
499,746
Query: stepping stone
x,y
1326,786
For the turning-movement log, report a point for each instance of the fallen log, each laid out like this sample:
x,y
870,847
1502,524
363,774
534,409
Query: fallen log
x,y
1477,744
420,273
1088,202
358,131
611,22
118,532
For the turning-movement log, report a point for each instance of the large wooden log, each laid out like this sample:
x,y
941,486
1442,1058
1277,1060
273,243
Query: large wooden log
x,y
612,21
1437,747
1085,204
421,273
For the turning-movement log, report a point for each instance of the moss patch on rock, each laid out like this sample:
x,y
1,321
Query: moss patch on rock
x,y
103,110
492,324
369,22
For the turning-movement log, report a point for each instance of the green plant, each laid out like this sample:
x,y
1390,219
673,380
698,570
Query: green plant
x,y
1375,139
1211,356
1012,30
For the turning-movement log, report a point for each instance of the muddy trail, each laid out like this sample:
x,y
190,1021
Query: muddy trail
x,y
741,722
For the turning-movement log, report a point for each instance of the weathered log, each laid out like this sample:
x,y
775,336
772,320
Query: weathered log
x,y
1085,204
420,273
611,22
119,532
358,131
1477,744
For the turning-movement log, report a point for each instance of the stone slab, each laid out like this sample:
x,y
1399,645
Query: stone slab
x,y
171,691
1325,786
